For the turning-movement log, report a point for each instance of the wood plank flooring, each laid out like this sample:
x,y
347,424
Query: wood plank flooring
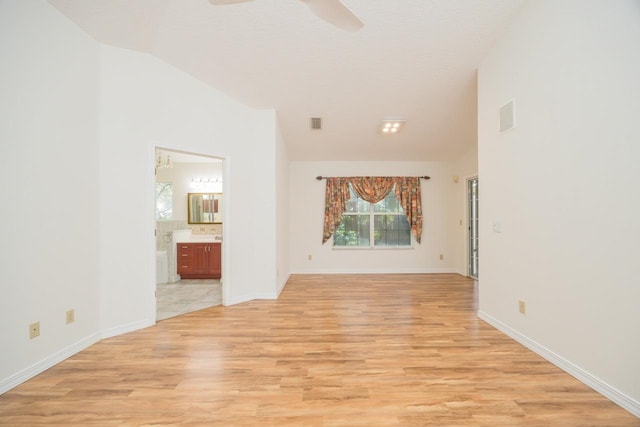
x,y
339,350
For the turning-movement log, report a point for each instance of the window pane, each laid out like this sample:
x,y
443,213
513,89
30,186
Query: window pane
x,y
353,231
164,200
391,230
388,204
356,204
352,204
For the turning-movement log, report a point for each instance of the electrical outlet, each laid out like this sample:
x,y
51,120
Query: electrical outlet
x,y
522,307
441,257
310,257
71,316
34,330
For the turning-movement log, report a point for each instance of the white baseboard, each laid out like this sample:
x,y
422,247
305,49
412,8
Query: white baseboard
x,y
267,295
46,363
282,284
370,270
57,357
238,300
123,329
587,378
251,297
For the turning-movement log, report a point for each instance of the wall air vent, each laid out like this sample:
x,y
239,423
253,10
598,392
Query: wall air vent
x,y
316,123
508,116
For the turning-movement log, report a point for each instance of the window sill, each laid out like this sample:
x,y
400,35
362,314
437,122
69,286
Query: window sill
x,y
370,248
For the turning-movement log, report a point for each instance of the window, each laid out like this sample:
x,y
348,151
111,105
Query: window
x,y
164,201
368,225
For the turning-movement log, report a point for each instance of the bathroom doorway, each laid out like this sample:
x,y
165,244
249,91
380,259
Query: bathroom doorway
x,y
177,175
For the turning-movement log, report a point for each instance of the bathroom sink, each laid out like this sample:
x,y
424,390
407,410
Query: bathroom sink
x,y
185,236
206,237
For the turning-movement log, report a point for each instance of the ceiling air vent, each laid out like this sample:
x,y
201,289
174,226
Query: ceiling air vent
x,y
507,116
316,123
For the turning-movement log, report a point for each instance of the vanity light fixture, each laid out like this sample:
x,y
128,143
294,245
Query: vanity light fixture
x,y
390,127
195,182
163,164
214,183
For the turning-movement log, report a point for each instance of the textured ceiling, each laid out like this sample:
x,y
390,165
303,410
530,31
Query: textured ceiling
x,y
414,59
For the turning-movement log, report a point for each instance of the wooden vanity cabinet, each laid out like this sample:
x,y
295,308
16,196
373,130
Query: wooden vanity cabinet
x,y
199,260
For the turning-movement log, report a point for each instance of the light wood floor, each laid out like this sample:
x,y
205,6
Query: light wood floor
x,y
357,350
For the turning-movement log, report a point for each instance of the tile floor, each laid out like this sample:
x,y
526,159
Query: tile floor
x,y
173,299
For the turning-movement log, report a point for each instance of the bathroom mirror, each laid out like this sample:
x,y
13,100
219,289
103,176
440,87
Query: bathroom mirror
x,y
204,208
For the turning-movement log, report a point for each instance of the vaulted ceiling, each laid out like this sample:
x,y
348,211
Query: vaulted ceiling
x,y
414,59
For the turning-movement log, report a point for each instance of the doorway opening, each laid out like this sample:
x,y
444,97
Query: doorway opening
x,y
179,177
473,222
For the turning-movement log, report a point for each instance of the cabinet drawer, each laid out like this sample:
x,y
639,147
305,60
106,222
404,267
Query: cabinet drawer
x,y
184,249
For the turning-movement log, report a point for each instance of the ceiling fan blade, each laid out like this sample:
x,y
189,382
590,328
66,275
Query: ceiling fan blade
x,y
335,13
225,2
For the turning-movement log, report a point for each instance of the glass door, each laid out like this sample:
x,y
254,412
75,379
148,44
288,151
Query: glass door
x,y
472,202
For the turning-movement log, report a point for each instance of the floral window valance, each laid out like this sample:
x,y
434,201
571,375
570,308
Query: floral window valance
x,y
372,189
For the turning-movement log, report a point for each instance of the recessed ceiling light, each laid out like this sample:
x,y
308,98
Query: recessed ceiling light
x,y
390,126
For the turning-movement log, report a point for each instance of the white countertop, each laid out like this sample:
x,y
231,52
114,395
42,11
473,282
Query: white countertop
x,y
185,236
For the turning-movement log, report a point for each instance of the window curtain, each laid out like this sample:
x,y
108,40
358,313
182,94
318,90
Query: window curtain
x,y
336,197
410,197
372,189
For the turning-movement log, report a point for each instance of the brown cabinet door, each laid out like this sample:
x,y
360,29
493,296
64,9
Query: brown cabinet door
x,y
215,260
200,258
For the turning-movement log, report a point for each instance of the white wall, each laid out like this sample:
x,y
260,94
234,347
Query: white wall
x,y
282,212
256,251
307,213
80,123
463,168
49,215
146,103
564,185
